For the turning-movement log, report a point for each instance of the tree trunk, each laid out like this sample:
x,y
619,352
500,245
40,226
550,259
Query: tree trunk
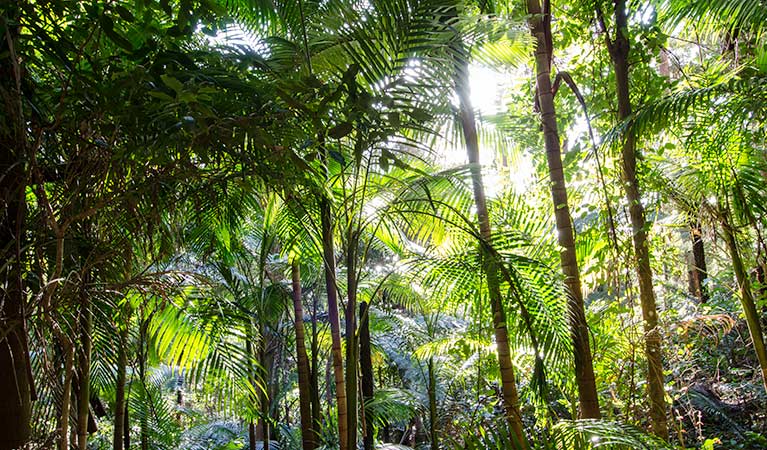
x,y
433,436
252,435
120,403
84,370
619,52
179,398
308,435
366,367
352,347
490,267
314,377
264,360
126,426
253,398
66,395
699,271
142,360
328,253
16,390
579,329
746,296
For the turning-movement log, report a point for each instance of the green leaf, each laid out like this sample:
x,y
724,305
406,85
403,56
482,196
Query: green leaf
x,y
394,119
161,95
340,130
108,26
338,157
124,13
420,115
172,83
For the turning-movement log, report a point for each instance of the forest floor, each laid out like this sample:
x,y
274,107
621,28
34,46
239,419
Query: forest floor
x,y
719,401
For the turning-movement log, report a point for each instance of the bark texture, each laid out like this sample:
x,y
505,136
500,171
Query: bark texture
x,y
490,266
699,271
308,434
619,52
15,372
120,403
746,297
352,347
84,369
366,368
584,367
66,396
328,252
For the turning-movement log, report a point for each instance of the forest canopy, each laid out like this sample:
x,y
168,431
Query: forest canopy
x,y
383,224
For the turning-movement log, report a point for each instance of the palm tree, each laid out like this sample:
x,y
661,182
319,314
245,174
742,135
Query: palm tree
x,y
540,24
618,47
490,265
308,433
439,211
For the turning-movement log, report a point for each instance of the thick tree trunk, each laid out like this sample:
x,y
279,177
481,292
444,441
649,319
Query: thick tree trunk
x,y
699,271
120,403
16,389
746,297
433,436
328,253
366,367
619,52
490,266
584,367
308,434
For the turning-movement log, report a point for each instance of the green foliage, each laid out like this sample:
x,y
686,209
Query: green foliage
x,y
176,153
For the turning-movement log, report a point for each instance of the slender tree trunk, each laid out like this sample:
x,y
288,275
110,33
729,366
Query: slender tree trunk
x,y
746,296
253,396
366,367
84,371
16,390
579,329
315,375
262,427
252,435
126,425
142,360
433,436
352,347
66,396
120,403
699,271
274,387
490,267
308,434
619,52
179,398
328,252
